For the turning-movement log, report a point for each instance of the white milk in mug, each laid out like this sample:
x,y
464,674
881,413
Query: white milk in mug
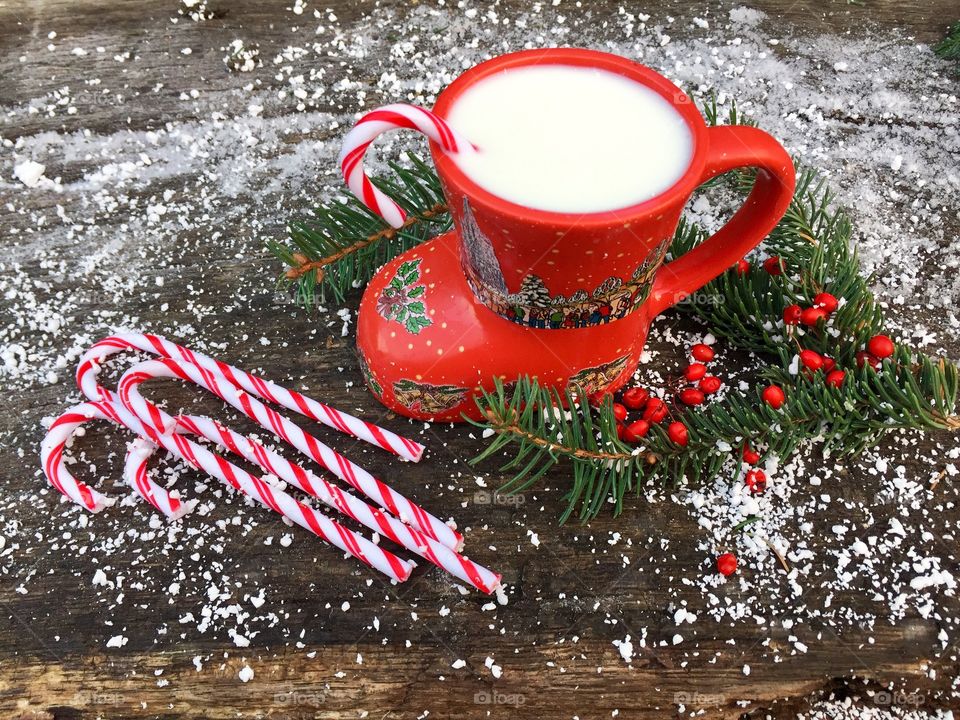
x,y
571,139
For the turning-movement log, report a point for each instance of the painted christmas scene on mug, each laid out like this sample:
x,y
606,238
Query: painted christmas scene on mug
x,y
532,304
427,398
600,377
375,387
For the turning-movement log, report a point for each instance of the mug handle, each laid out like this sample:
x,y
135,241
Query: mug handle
x,y
731,147
366,130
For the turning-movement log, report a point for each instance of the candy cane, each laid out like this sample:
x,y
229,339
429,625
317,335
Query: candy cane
x,y
351,506
366,130
328,458
137,477
61,432
225,471
89,367
58,435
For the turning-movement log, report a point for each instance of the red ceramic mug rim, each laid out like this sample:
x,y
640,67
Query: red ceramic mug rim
x,y
447,167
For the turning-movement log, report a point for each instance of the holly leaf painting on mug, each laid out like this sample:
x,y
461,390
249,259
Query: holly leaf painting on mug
x,y
416,323
409,271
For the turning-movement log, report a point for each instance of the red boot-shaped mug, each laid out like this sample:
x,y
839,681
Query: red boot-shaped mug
x,y
565,171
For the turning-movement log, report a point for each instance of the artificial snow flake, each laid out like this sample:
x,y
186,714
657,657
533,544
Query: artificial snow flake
x,y
29,172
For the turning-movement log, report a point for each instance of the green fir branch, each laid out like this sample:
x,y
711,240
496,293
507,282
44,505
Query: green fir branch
x,y
541,427
734,116
547,426
339,246
949,47
813,239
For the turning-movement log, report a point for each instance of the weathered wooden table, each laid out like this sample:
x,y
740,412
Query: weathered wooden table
x,y
122,243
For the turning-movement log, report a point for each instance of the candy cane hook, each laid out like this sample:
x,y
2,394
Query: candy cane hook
x,y
58,437
89,367
199,457
366,130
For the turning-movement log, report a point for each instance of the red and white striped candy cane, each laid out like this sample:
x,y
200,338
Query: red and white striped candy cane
x,y
342,467
372,124
225,471
58,436
137,477
351,506
59,433
89,367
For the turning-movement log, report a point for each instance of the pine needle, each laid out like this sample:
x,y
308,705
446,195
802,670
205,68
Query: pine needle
x,y
949,47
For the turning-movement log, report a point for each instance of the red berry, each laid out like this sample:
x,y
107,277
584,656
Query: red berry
x,y
655,411
880,346
710,384
791,314
827,302
742,266
677,432
865,358
701,352
835,378
750,456
726,564
756,480
619,412
691,396
635,398
828,364
812,315
621,431
774,396
636,430
695,371
773,265
811,360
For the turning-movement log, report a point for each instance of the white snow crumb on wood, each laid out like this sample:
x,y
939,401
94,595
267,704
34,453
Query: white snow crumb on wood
x,y
494,669
29,172
932,580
